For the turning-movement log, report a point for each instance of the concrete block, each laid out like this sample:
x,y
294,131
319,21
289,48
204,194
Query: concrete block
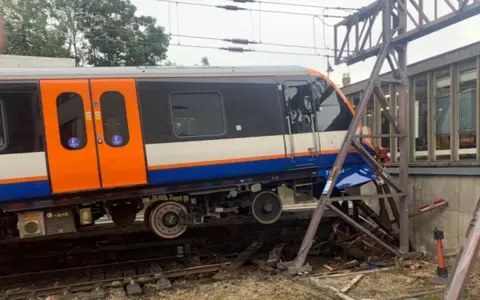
x,y
441,187
469,193
425,224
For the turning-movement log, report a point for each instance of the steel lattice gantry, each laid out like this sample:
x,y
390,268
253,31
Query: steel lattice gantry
x,y
355,41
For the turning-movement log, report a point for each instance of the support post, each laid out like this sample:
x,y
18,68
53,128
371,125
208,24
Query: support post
x,y
404,141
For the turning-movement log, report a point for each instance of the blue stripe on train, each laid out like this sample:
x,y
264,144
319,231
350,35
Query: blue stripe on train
x,y
355,171
23,190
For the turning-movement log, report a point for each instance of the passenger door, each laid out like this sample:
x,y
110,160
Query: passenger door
x,y
302,140
93,141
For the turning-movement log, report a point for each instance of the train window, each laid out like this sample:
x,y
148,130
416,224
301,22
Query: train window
x,y
332,113
299,106
197,114
114,119
2,126
71,121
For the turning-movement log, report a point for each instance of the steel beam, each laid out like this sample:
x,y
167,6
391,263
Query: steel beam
x,y
465,260
424,25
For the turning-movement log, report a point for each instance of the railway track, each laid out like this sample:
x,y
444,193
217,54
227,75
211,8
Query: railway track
x,y
130,264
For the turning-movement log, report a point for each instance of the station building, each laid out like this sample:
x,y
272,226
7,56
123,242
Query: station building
x,y
444,121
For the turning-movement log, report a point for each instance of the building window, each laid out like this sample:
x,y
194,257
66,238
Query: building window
x,y
467,110
355,99
421,117
332,113
442,113
299,105
3,136
114,119
197,114
385,124
369,115
71,121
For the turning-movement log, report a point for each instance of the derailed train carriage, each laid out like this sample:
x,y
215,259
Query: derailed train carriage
x,y
196,143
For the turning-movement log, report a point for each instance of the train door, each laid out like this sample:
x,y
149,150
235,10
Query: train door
x,y
302,140
93,134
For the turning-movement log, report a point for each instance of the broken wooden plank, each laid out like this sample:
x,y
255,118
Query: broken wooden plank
x,y
275,255
347,265
352,283
330,290
348,273
240,260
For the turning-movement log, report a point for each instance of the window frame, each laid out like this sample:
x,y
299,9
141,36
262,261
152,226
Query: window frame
x,y
312,102
83,117
107,141
222,106
3,125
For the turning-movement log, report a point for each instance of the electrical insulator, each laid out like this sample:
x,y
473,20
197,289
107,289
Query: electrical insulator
x,y
240,41
235,49
231,7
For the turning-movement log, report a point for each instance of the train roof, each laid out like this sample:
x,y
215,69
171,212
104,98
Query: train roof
x,y
160,71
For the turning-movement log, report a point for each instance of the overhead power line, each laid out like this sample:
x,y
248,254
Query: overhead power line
x,y
297,5
229,49
238,8
233,40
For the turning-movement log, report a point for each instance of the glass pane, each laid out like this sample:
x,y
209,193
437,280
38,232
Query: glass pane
x,y
197,114
71,121
332,114
114,119
467,110
298,104
2,126
421,118
442,113
385,125
369,115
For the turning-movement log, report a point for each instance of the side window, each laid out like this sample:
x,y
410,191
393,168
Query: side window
x,y
332,113
197,114
299,106
114,119
71,121
3,136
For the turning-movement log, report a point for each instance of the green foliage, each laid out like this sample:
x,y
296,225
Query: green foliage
x,y
98,33
205,61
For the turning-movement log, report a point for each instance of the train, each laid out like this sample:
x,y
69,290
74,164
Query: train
x,y
183,145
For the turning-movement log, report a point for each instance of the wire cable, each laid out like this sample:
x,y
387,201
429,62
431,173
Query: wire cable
x,y
297,5
237,8
229,49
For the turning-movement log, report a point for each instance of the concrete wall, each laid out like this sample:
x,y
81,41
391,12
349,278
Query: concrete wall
x,y
461,193
16,61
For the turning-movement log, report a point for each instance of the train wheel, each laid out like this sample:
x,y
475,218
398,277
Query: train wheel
x,y
123,214
266,207
168,220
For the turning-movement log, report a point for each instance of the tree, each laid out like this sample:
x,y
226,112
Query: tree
x,y
29,30
205,61
98,33
117,37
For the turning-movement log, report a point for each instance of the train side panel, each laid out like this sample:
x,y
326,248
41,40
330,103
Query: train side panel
x,y
211,128
23,171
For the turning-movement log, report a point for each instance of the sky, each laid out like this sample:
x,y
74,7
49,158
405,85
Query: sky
x,y
267,27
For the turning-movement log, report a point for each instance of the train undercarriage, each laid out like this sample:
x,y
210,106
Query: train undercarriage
x,y
168,215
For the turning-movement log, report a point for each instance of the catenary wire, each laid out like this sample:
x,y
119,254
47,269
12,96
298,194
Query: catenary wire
x,y
296,5
237,8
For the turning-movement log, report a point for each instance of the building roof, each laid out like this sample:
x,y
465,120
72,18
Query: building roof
x,y
431,63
